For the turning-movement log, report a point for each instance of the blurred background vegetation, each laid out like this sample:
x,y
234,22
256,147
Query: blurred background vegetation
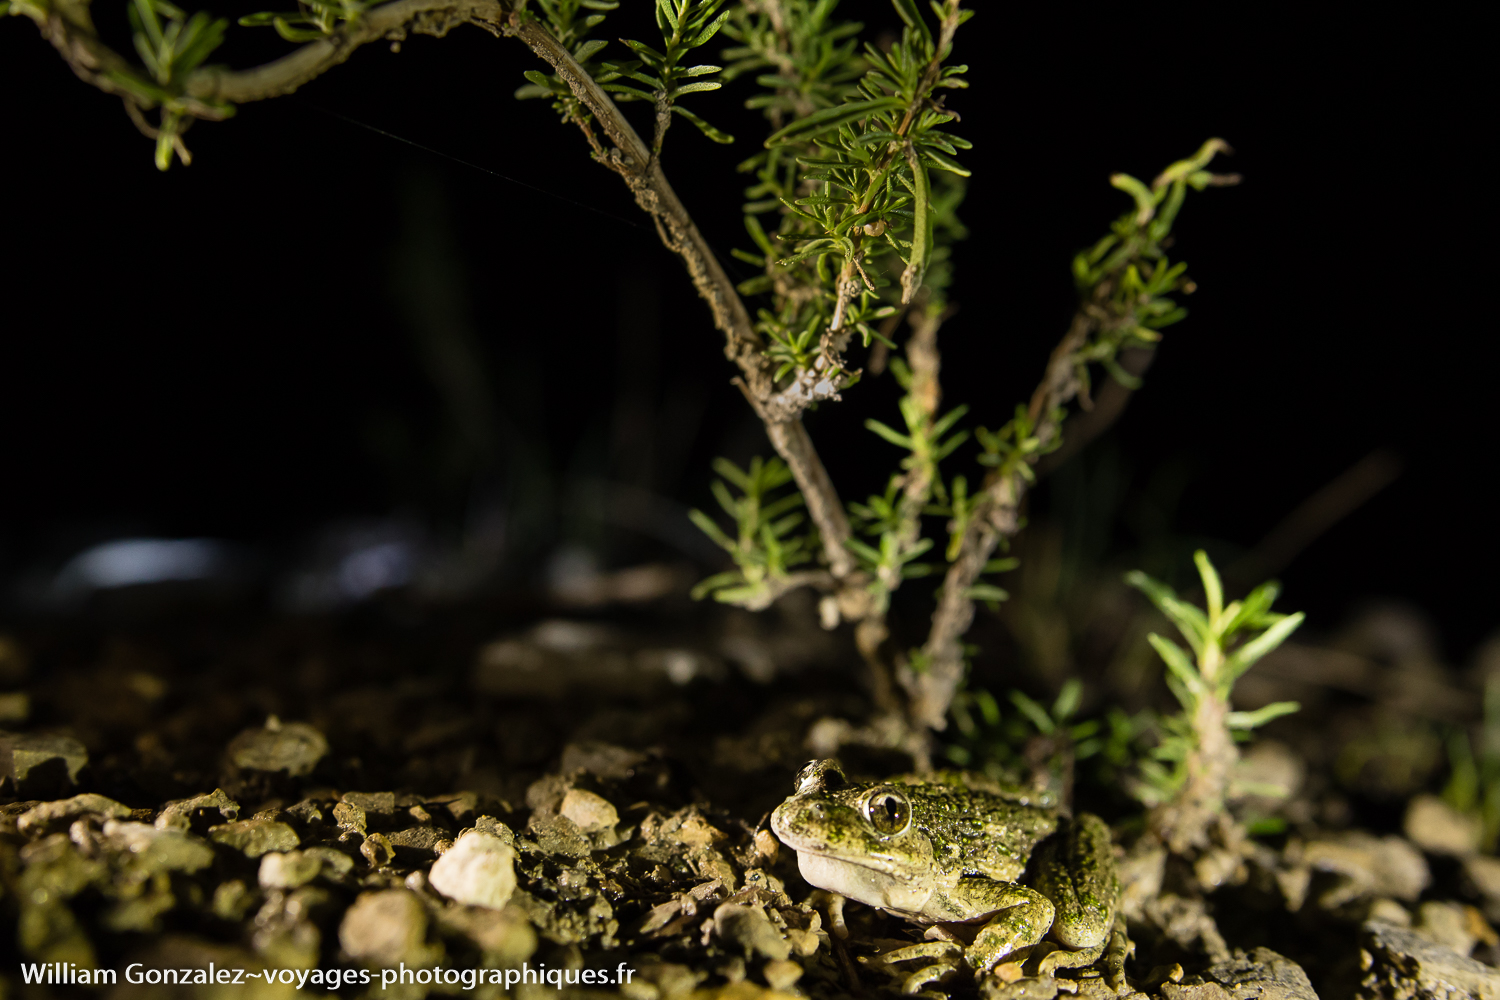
x,y
318,325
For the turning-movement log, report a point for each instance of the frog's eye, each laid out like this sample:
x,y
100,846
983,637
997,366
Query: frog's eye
x,y
888,811
820,776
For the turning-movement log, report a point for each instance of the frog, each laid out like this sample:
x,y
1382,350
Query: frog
x,y
941,853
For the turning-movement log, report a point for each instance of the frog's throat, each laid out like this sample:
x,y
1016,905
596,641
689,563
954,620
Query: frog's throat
x,y
863,883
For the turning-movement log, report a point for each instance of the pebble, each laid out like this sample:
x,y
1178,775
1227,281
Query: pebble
x,y
1401,963
385,928
751,929
1484,872
377,850
478,870
416,842
159,850
1437,827
44,815
588,811
505,937
1262,974
288,870
781,974
255,837
350,817
1447,924
179,814
293,747
37,761
1373,866
1389,911
381,803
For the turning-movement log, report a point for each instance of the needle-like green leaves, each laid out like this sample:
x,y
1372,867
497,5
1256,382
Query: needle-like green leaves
x,y
764,545
819,122
685,25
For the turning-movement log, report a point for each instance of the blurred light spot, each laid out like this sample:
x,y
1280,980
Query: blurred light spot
x,y
378,567
130,562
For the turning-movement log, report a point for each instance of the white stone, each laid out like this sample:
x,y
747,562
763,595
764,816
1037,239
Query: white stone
x,y
588,811
479,870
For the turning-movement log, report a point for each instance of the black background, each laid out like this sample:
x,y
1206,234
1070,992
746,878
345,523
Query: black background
x,y
213,350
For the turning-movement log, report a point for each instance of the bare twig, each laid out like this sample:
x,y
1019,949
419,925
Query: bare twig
x,y
995,516
792,443
67,25
743,345
1109,405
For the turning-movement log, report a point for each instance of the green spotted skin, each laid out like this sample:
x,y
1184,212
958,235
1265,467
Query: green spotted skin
x,y
937,851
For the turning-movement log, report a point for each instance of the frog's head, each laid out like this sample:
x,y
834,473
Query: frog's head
x,y
868,825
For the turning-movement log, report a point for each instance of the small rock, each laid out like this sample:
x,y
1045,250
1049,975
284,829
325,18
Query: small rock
x,y
44,815
1399,963
37,763
1262,974
1195,991
380,803
293,747
385,928
255,837
559,835
1188,923
1389,911
350,817
159,850
781,974
1435,826
1218,866
750,929
231,900
1447,924
1372,866
495,828
1484,872
766,845
666,980
461,806
179,814
1141,876
336,864
307,811
505,937
377,850
417,843
1028,988
588,811
479,870
288,870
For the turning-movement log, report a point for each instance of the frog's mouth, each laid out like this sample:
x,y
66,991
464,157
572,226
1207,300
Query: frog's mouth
x,y
899,892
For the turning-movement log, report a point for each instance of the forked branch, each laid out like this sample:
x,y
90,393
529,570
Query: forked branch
x,y
211,92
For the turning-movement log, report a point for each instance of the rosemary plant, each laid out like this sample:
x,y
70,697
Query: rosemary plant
x,y
851,215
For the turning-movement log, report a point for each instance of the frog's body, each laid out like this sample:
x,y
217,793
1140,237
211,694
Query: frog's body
x,y
938,853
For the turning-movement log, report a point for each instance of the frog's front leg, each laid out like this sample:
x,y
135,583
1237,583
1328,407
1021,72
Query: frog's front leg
x,y
1021,918
1075,869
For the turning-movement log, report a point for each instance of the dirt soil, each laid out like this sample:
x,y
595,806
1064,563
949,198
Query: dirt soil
x,y
473,789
